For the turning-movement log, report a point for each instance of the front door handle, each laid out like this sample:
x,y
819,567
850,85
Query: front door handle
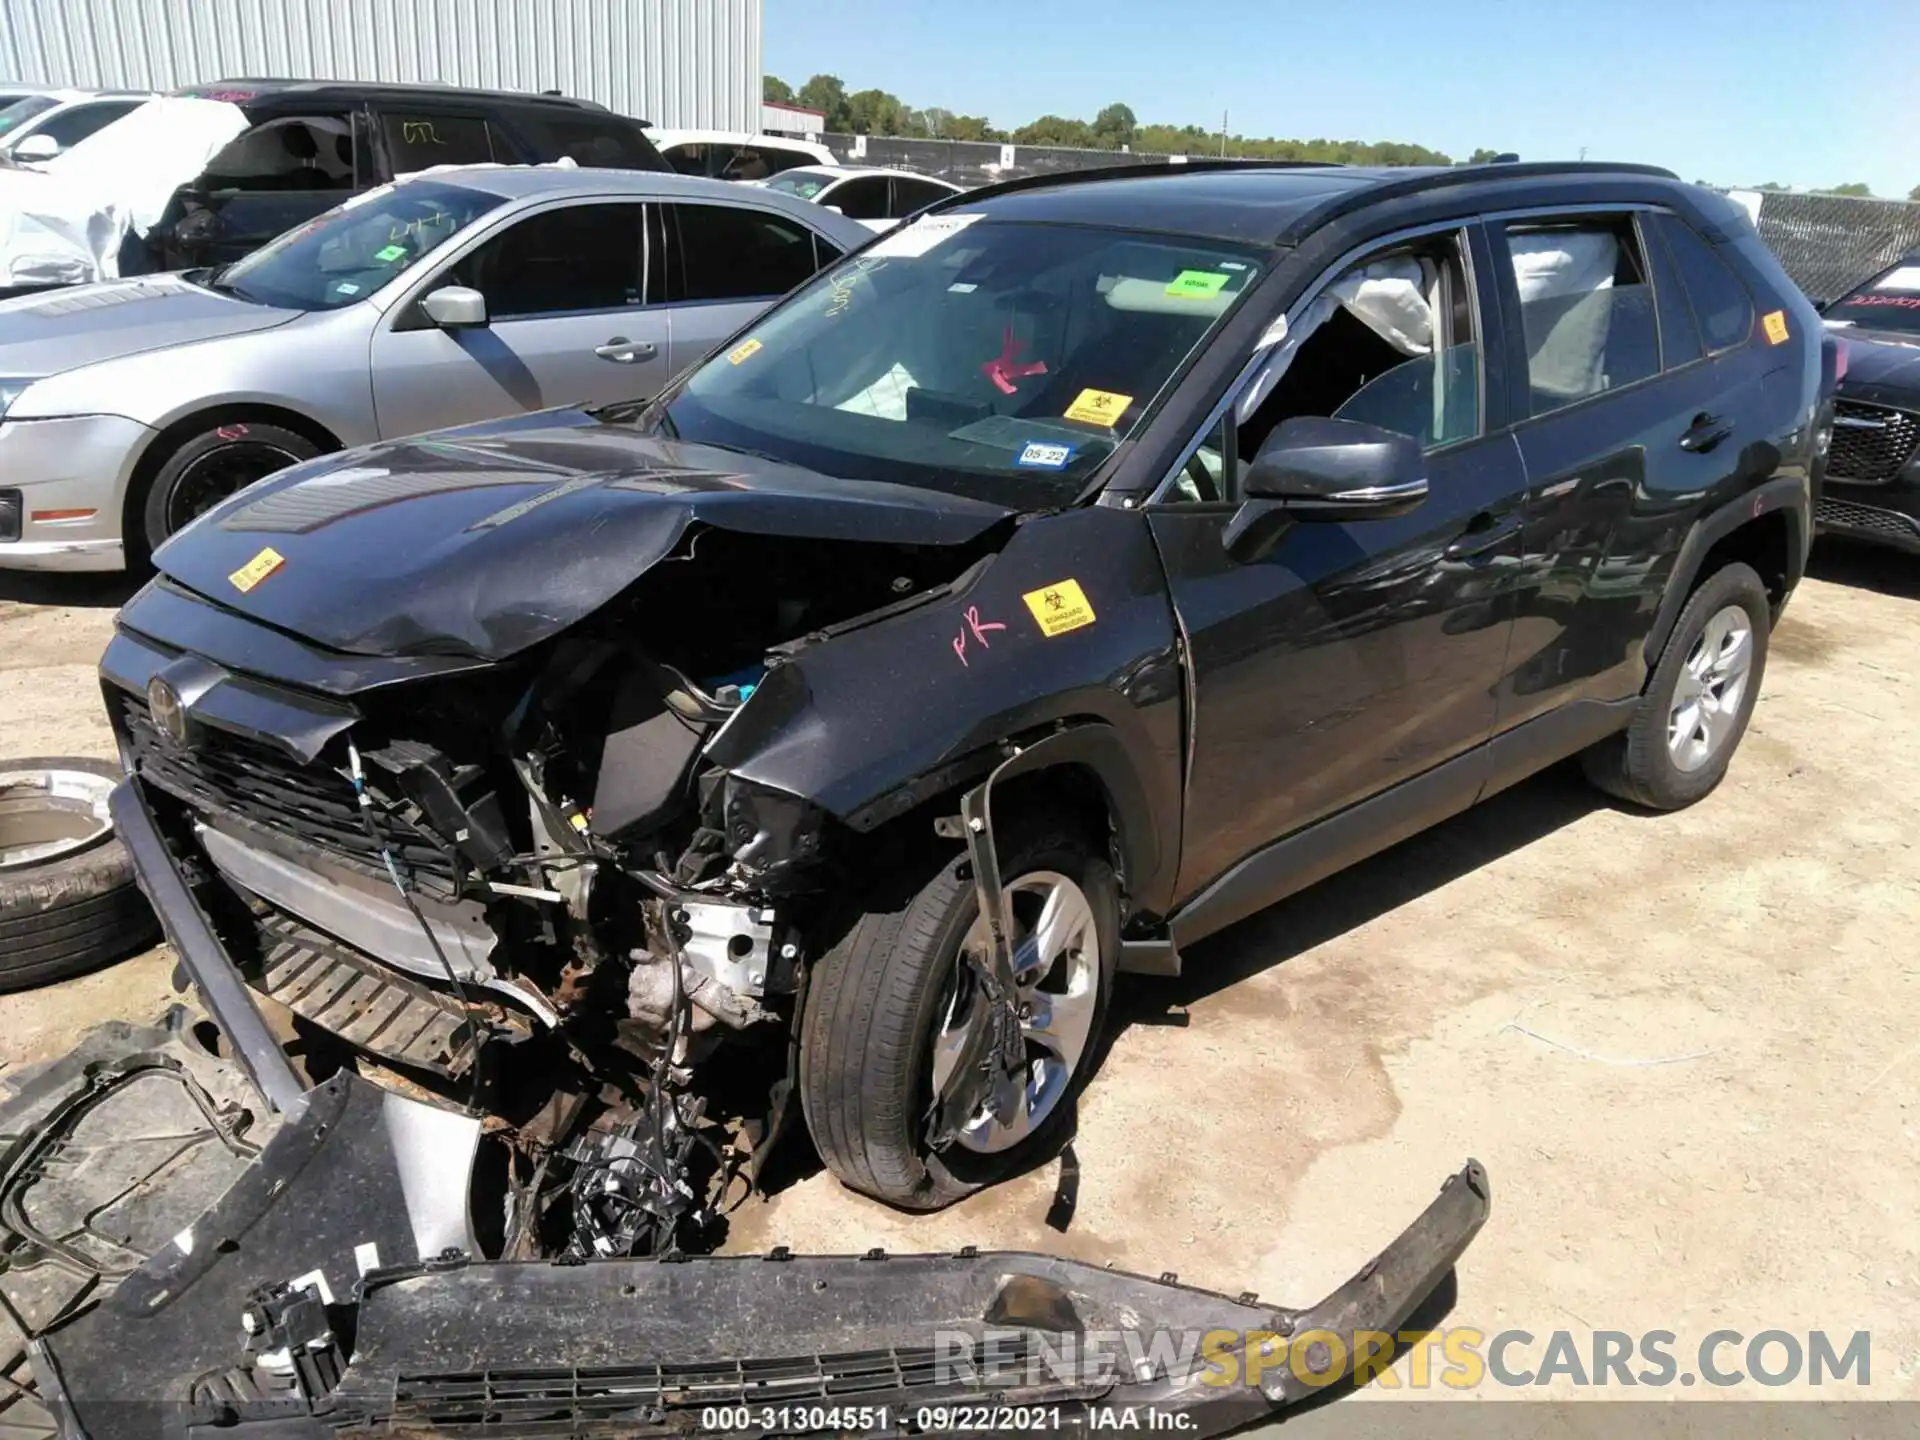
x,y
1706,432
623,351
1483,533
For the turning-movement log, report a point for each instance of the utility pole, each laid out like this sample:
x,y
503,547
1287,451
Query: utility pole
x,y
1223,134
1583,152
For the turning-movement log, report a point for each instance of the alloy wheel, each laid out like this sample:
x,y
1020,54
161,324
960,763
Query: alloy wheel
x,y
1711,690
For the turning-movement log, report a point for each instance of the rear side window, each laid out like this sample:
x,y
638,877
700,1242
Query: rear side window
x,y
737,254
1679,335
1720,301
913,195
289,152
420,141
860,199
607,142
1586,309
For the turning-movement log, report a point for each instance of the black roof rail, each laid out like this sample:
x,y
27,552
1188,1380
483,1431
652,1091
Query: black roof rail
x,y
1345,202
1142,170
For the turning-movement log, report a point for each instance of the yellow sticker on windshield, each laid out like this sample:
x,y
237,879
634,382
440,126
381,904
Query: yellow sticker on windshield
x,y
745,351
1059,607
1775,324
257,569
1099,407
1197,284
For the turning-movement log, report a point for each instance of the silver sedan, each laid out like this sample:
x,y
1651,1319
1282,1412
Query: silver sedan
x,y
457,295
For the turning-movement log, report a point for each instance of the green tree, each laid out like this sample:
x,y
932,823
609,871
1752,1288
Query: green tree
x,y
1114,127
875,112
1852,187
972,127
1770,185
1483,156
1055,130
1914,193
775,91
826,94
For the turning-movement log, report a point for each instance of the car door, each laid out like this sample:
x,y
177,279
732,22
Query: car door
x,y
1625,421
729,262
1353,656
569,321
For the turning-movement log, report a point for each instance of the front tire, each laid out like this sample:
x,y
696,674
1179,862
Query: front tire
x,y
1696,707
206,468
885,1004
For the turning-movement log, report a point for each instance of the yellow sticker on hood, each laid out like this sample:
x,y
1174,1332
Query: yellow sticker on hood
x,y
1059,607
257,569
1099,407
1775,324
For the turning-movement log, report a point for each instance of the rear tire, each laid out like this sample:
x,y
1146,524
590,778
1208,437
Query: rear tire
x,y
877,999
1695,708
74,911
205,468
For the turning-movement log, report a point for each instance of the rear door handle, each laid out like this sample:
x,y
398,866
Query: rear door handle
x,y
623,351
1483,533
1706,432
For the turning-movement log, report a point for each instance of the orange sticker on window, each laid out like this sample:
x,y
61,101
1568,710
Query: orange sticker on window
x,y
1775,324
1060,607
1099,407
257,569
744,351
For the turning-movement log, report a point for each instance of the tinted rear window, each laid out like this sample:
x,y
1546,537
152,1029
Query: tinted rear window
x,y
603,140
1720,301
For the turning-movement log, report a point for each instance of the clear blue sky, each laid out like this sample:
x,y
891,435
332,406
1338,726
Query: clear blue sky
x,y
1729,91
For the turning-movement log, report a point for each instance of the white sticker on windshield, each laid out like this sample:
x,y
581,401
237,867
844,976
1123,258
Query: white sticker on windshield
x,y
911,241
1907,277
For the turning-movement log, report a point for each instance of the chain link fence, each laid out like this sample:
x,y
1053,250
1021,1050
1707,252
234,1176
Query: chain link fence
x,y
1827,243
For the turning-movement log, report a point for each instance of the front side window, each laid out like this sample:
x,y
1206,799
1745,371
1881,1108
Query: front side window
x,y
690,158
732,253
421,141
289,153
962,354
357,248
70,127
864,198
1890,301
1586,309
579,257
801,182
23,110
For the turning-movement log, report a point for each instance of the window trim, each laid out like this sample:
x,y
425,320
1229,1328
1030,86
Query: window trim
x,y
1462,226
1630,211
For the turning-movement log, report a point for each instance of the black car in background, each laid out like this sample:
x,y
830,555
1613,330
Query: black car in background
x,y
313,143
1872,489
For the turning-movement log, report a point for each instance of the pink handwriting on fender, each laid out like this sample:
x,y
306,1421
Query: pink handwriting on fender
x,y
979,628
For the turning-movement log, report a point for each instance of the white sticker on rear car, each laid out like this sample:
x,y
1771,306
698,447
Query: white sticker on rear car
x,y
1907,277
911,241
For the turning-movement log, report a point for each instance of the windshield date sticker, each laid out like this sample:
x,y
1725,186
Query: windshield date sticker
x,y
1197,284
1044,455
1099,407
744,352
1059,607
390,253
257,569
1775,324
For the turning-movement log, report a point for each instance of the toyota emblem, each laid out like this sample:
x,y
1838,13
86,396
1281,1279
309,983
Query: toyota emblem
x,y
168,713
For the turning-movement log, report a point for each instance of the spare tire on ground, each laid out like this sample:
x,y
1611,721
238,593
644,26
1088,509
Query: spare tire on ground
x,y
68,902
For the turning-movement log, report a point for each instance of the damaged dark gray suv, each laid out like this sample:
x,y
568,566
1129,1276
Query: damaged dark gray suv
x,y
1064,577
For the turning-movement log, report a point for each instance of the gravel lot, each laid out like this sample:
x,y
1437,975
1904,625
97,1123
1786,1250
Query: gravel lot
x,y
1686,1047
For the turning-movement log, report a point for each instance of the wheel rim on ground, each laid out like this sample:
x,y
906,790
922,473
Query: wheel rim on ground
x,y
221,472
48,814
1712,687
1056,961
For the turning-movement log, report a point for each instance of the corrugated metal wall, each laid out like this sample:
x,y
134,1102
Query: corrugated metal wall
x,y
673,62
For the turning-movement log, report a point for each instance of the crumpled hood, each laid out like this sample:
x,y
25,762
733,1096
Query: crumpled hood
x,y
1881,367
490,538
46,334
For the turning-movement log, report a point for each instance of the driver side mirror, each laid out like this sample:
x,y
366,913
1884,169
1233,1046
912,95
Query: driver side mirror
x,y
37,147
455,307
1316,469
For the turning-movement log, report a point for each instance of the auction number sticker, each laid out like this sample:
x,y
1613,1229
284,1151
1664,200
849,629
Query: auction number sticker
x,y
1775,324
1059,607
744,351
257,569
1197,284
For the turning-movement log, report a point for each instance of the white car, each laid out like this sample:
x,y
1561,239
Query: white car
x,y
734,154
878,199
51,122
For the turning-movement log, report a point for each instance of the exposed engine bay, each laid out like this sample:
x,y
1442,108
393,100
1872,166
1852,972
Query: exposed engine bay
x,y
527,890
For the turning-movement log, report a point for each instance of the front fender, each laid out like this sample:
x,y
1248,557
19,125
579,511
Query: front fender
x,y
871,723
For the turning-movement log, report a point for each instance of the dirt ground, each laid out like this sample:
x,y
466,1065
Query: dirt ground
x,y
1686,1047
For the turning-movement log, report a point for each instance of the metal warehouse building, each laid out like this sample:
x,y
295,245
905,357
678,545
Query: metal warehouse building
x,y
672,62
